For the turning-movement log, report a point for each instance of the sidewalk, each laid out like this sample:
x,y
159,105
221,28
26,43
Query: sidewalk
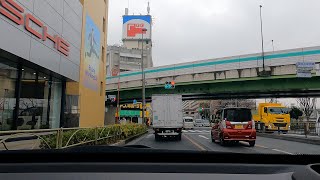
x,y
293,137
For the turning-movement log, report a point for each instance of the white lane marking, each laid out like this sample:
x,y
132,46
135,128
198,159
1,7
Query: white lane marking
x,y
203,137
262,146
191,131
149,135
282,151
184,131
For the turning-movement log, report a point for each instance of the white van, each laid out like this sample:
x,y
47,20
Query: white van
x,y
188,123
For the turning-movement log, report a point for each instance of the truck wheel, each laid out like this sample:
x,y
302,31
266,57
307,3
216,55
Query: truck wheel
x,y
179,137
252,143
157,137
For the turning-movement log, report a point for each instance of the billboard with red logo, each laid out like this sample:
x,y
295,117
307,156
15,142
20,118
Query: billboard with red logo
x,y
133,25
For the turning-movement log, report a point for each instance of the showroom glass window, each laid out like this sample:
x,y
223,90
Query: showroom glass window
x,y
40,101
8,78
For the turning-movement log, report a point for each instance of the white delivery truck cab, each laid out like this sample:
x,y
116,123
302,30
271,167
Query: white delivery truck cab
x,y
167,116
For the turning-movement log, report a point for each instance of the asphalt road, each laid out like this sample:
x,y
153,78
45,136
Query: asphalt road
x,y
199,139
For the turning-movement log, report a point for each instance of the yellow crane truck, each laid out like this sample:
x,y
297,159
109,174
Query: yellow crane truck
x,y
272,117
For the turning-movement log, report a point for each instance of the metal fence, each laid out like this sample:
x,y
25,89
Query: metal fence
x,y
57,138
303,127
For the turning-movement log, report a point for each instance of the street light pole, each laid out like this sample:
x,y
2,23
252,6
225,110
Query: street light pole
x,y
272,46
118,98
262,38
143,79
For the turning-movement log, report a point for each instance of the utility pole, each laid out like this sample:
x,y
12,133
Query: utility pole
x,y
143,79
262,46
118,98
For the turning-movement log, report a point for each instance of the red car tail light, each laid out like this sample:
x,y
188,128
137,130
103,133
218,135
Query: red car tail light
x,y
228,125
251,125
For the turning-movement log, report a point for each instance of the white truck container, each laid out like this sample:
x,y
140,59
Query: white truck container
x,y
167,116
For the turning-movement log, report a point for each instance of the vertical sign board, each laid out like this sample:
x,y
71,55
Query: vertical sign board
x,y
92,55
317,69
304,69
133,25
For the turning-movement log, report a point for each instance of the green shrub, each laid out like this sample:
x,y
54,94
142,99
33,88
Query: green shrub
x,y
109,135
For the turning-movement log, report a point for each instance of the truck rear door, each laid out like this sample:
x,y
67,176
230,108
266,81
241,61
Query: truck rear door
x,y
159,111
174,111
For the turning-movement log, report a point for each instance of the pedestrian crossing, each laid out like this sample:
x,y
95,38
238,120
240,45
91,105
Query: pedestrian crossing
x,y
195,131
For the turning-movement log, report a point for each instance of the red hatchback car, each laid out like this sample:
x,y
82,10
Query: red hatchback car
x,y
233,125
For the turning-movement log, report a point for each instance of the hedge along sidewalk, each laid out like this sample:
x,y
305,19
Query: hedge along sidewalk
x,y
91,136
293,137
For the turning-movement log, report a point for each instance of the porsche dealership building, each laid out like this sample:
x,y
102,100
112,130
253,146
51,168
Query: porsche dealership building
x,y
52,59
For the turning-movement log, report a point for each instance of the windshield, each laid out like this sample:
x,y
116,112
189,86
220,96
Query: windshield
x,y
278,110
238,115
161,73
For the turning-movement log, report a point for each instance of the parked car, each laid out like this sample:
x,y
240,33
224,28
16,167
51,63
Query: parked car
x,y
188,123
205,123
198,123
233,125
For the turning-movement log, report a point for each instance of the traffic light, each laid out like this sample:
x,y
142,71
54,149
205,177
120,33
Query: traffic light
x,y
169,85
173,84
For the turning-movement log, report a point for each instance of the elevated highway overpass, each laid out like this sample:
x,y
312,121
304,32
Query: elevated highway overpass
x,y
228,77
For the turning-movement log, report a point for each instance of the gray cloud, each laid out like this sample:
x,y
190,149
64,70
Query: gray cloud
x,y
186,30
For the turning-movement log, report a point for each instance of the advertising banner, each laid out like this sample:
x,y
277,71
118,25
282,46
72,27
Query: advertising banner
x,y
133,25
92,55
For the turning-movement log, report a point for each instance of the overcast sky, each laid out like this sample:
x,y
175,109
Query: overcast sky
x,y
189,30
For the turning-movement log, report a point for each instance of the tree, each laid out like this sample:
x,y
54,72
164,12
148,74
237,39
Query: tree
x,y
307,105
273,100
295,113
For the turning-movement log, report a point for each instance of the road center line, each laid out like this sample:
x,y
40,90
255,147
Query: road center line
x,y
203,137
194,143
282,151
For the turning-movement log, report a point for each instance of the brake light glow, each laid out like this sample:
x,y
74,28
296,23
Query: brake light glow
x,y
228,125
251,125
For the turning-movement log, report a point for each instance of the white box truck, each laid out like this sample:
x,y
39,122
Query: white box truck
x,y
167,116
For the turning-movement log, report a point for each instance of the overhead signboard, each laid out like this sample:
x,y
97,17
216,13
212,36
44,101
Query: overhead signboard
x,y
133,25
304,69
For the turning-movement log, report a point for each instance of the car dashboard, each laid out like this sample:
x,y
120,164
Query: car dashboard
x,y
145,164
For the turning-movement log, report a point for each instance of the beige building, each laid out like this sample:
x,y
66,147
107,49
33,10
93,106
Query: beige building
x,y
91,91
